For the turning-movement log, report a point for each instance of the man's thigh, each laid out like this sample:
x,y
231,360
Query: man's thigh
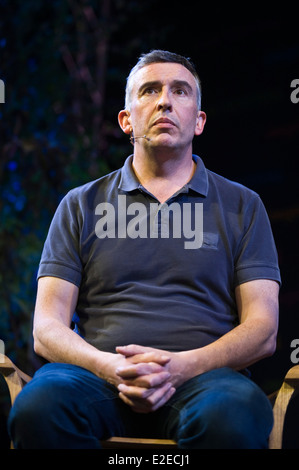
x,y
219,409
66,406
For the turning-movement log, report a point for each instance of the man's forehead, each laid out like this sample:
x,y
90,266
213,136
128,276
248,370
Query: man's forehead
x,y
163,72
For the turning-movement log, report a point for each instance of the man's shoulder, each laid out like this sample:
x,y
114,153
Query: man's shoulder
x,y
96,186
230,186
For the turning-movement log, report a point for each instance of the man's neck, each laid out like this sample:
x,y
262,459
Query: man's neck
x,y
163,175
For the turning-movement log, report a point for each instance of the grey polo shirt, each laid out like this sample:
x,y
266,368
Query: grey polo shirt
x,y
160,275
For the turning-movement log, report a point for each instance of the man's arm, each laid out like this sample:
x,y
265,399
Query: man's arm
x,y
253,339
53,338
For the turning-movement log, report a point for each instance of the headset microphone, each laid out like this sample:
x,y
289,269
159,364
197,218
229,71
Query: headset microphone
x,y
133,138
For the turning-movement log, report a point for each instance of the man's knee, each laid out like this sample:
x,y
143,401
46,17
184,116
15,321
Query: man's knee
x,y
46,409
233,414
63,407
231,421
34,408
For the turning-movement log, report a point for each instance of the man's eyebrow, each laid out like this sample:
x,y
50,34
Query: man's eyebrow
x,y
148,85
174,83
183,84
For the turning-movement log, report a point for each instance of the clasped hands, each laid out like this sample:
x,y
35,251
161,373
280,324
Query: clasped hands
x,y
146,380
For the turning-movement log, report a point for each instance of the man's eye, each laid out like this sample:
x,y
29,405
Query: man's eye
x,y
180,92
149,91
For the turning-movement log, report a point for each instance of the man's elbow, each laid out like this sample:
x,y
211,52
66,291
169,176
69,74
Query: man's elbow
x,y
270,345
37,346
37,343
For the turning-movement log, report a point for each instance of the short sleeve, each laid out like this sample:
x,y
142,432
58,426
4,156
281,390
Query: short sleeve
x,y
256,257
61,255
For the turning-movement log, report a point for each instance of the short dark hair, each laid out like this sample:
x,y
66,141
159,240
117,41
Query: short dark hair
x,y
159,56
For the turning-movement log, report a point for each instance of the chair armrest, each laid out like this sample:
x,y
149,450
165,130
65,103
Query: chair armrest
x,y
289,385
14,377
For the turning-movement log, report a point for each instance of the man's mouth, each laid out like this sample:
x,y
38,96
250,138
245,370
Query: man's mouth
x,y
164,122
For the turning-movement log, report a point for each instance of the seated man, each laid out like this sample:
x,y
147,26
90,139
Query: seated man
x,y
172,273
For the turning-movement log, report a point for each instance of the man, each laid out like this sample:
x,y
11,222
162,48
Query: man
x,y
172,272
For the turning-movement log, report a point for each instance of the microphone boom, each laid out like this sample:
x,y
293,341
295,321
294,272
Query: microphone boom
x,y
133,138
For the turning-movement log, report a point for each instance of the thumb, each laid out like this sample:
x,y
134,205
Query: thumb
x,y
131,350
145,354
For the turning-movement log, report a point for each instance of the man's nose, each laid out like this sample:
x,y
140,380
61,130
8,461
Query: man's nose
x,y
164,101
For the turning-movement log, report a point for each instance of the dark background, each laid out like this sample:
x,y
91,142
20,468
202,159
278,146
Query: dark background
x,y
65,63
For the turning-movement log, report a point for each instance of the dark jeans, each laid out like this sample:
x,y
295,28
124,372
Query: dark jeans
x,y
67,407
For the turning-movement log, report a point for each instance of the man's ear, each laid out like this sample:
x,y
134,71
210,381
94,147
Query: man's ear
x,y
124,120
200,122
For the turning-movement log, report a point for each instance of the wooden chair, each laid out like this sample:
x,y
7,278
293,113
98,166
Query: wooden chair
x,y
16,380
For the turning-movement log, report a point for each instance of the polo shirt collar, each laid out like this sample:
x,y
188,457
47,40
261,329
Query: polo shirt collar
x,y
128,179
198,183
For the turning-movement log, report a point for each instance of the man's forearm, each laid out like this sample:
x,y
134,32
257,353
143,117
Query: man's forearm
x,y
238,349
56,342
